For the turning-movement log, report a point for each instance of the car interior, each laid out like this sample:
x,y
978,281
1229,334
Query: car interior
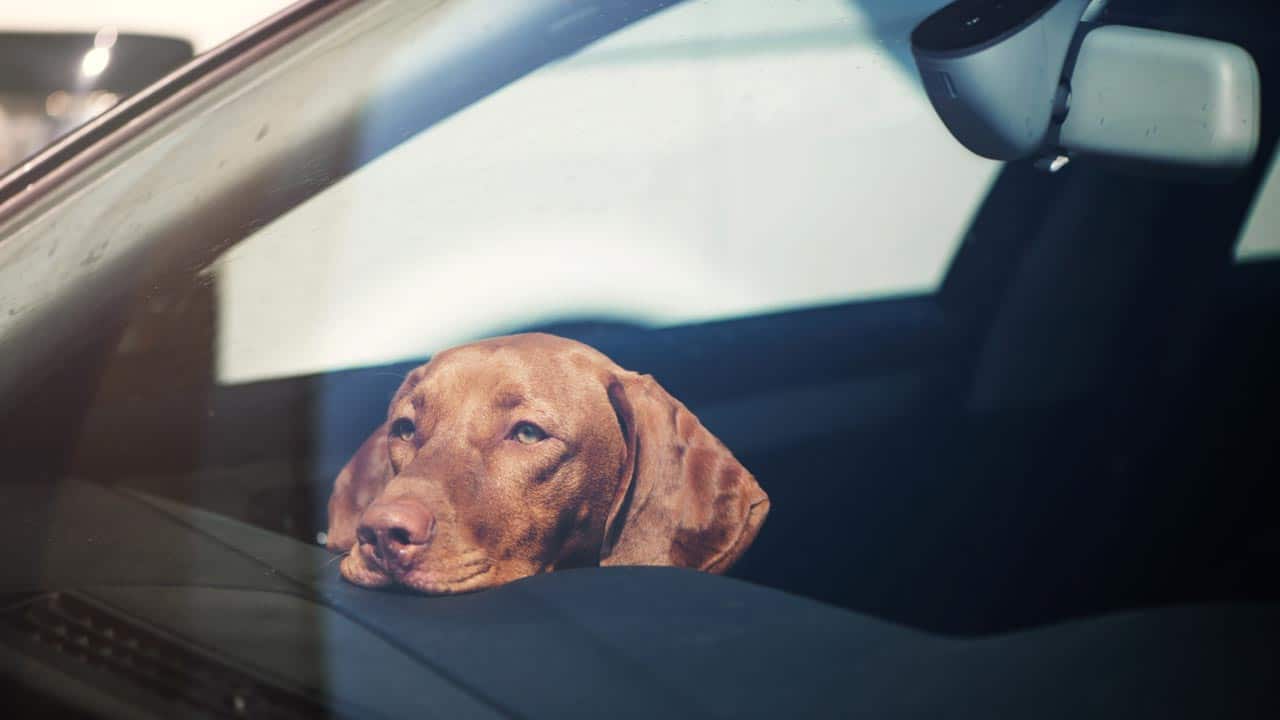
x,y
1077,424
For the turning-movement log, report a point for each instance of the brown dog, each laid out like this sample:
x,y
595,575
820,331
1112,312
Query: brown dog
x,y
530,453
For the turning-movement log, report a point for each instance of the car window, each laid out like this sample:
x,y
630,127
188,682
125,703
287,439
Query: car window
x,y
1260,237
980,396
718,159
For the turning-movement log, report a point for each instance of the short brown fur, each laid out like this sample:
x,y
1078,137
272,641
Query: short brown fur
x,y
626,475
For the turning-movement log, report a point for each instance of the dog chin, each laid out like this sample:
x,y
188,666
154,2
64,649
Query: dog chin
x,y
465,581
468,578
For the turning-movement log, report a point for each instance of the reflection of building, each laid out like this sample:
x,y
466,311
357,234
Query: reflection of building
x,y
63,62
51,83
24,127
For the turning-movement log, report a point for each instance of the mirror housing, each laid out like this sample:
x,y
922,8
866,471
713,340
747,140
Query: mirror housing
x,y
993,70
1026,79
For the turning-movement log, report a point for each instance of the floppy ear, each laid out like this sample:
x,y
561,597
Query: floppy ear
x,y
684,499
359,482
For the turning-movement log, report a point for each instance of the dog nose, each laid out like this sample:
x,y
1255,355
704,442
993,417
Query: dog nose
x,y
393,532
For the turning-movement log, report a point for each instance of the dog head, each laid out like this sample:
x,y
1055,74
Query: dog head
x,y
529,453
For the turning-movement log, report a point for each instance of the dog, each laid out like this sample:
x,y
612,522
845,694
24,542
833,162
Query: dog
x,y
525,454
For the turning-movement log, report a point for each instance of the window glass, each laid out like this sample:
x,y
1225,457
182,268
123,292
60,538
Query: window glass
x,y
1260,239
715,160
984,400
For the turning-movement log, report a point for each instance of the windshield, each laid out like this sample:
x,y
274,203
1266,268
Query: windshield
x,y
705,163
972,397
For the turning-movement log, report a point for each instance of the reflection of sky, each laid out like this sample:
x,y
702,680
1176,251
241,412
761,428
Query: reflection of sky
x,y
718,159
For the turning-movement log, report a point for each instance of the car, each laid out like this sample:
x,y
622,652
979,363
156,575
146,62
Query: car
x,y
1015,425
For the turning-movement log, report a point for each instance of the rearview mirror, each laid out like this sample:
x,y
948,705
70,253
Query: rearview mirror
x,y
1019,79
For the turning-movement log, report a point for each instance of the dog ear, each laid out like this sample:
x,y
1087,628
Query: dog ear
x,y
359,483
684,499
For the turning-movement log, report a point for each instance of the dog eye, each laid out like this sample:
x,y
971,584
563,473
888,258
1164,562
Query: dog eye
x,y
403,428
527,433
